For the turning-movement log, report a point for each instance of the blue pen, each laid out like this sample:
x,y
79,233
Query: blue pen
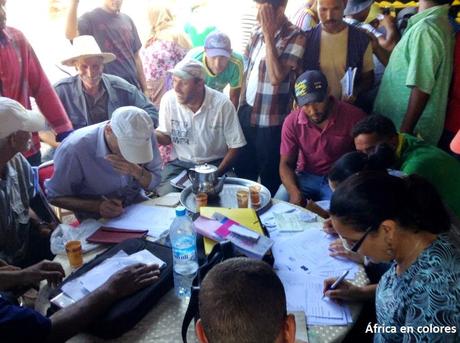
x,y
338,281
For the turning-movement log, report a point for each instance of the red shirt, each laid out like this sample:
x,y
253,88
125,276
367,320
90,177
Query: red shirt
x,y
22,77
453,108
317,149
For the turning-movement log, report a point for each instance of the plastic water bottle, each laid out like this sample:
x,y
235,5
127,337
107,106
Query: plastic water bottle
x,y
183,241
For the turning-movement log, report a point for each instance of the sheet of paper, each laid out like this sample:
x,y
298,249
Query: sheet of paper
x,y
85,284
155,219
323,311
292,222
308,253
294,288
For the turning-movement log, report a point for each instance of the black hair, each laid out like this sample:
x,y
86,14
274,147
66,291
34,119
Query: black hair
x,y
274,3
375,123
242,301
353,162
367,199
442,2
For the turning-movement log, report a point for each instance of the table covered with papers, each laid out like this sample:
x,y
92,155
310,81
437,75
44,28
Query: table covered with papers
x,y
300,248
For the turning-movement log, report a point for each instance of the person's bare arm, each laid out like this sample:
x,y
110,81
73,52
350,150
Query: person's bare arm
x,y
391,37
162,138
105,208
71,27
49,138
417,103
228,161
235,96
349,292
75,318
289,178
277,71
44,270
140,72
365,82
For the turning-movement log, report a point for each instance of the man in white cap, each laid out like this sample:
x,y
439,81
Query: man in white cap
x,y
19,225
91,96
222,65
200,122
102,168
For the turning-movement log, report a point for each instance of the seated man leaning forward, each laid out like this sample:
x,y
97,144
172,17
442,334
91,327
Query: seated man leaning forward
x,y
24,238
200,122
313,137
242,300
102,168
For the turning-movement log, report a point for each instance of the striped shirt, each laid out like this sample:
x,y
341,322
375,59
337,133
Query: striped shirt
x,y
271,103
22,77
16,190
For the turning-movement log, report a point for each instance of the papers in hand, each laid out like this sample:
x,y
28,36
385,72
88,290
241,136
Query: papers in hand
x,y
88,282
348,82
155,219
181,181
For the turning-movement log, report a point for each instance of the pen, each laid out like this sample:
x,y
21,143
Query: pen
x,y
338,281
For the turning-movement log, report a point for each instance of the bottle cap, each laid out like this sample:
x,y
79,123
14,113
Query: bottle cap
x,y
180,211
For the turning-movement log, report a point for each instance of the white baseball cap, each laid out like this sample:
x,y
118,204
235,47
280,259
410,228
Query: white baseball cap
x,y
134,129
15,117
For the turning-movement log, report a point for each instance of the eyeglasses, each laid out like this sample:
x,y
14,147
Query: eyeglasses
x,y
355,246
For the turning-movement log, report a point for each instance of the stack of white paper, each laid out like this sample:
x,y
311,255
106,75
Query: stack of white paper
x,y
155,219
88,282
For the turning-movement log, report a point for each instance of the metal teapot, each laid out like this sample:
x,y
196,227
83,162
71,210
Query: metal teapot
x,y
204,179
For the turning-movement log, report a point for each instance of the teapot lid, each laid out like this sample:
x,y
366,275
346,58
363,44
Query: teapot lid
x,y
205,168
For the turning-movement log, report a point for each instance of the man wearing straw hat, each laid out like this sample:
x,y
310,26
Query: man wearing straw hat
x,y
91,96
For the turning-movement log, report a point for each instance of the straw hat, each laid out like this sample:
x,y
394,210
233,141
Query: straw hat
x,y
86,46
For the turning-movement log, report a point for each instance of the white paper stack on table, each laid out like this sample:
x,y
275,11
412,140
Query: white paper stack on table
x,y
85,284
302,262
155,219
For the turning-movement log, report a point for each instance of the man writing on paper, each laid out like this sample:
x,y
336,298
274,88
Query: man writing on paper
x,y
200,122
104,167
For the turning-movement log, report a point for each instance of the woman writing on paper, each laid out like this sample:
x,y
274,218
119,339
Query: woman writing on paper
x,y
403,220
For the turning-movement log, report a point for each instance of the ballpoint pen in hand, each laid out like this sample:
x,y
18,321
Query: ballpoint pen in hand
x,y
337,282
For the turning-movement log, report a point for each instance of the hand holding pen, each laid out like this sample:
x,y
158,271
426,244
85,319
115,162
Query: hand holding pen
x,y
110,208
333,284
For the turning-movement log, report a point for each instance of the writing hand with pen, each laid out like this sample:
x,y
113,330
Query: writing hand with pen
x,y
110,208
343,290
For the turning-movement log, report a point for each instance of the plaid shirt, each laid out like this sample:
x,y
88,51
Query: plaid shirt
x,y
22,77
273,103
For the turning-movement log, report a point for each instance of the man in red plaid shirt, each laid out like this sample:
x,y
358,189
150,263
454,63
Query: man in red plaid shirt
x,y
22,77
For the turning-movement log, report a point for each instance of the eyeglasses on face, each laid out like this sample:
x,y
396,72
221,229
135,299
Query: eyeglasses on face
x,y
354,247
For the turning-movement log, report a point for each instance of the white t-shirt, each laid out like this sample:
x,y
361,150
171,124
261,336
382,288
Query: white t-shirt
x,y
203,136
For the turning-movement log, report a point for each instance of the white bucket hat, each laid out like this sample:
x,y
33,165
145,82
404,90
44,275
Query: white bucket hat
x,y
15,117
134,129
86,46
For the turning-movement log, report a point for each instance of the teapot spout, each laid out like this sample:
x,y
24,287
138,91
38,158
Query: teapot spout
x,y
220,184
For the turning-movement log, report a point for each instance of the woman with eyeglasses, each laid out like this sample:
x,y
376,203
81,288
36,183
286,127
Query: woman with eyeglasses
x,y
403,220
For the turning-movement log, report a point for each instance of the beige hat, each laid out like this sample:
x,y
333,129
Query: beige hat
x,y
134,129
188,69
86,46
15,117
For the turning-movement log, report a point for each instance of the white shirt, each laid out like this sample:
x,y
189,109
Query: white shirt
x,y
203,136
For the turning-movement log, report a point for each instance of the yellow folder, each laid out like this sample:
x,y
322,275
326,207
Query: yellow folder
x,y
244,216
